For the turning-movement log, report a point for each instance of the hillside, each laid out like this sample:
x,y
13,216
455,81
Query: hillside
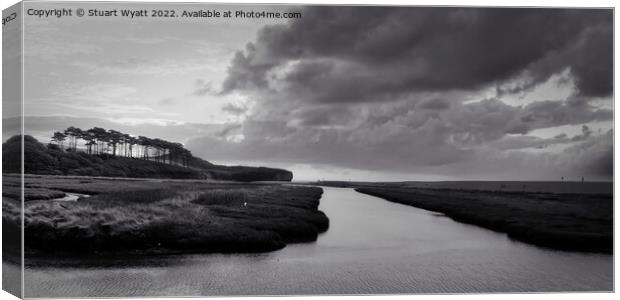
x,y
51,160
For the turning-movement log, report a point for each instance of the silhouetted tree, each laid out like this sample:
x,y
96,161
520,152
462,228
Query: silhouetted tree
x,y
100,136
99,140
73,133
59,138
114,138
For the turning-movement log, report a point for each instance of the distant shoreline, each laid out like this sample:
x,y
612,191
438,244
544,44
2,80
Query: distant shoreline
x,y
554,187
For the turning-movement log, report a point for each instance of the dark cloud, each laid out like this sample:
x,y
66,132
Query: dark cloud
x,y
589,57
592,62
517,142
374,53
586,132
544,114
322,116
434,104
426,90
403,138
594,157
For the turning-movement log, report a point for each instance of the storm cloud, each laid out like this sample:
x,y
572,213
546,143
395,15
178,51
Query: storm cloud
x,y
423,93
428,91
353,54
425,90
458,141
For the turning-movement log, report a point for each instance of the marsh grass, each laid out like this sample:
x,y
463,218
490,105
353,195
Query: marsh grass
x,y
11,188
131,197
226,197
167,217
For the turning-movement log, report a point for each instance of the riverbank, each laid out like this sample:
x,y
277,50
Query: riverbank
x,y
161,216
574,222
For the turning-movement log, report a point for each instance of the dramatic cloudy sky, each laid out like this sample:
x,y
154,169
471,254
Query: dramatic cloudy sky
x,y
362,93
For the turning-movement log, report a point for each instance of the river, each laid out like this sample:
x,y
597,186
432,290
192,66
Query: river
x,y
372,246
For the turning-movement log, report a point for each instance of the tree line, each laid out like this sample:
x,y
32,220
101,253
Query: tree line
x,y
99,141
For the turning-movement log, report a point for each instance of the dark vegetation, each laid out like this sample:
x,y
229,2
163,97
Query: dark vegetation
x,y
97,140
56,159
578,222
137,216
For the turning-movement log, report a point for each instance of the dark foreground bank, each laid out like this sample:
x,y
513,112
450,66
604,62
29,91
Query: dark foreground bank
x,y
575,222
160,216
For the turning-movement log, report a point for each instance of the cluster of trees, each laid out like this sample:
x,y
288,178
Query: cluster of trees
x,y
98,141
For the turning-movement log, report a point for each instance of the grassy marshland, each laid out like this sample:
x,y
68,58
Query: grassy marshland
x,y
579,222
162,216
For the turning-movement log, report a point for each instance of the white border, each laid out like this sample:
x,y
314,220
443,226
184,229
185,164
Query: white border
x,y
549,3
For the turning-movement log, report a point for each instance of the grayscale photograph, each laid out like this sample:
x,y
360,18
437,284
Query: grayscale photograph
x,y
201,149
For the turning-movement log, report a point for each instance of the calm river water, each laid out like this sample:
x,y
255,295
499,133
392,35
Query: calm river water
x,y
372,246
